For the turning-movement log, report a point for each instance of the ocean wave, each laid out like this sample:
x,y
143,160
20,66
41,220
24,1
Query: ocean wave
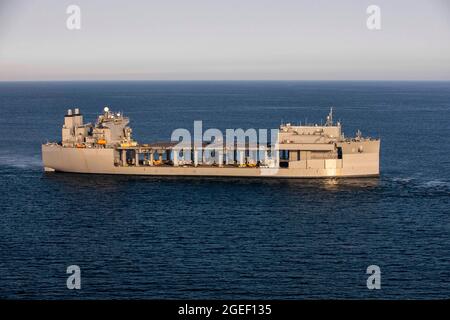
x,y
402,180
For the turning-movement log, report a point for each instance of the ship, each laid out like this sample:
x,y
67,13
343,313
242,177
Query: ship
x,y
298,151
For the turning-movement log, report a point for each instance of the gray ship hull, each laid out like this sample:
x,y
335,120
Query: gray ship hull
x,y
101,161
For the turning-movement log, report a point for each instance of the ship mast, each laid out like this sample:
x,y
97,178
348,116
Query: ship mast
x,y
330,118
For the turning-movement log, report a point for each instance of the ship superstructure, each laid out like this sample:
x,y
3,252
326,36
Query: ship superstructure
x,y
300,151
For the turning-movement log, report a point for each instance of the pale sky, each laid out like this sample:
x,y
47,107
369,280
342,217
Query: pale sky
x,y
225,40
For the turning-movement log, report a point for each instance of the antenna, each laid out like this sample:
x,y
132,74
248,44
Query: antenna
x,y
330,118
358,134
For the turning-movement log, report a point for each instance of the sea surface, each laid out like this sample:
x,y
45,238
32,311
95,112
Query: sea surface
x,y
153,237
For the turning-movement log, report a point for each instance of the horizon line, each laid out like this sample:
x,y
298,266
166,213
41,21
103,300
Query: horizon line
x,y
229,80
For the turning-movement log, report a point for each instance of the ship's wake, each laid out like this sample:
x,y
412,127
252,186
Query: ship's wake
x,y
420,185
20,161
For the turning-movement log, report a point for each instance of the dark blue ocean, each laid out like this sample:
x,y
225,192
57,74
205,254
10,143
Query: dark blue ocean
x,y
148,237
